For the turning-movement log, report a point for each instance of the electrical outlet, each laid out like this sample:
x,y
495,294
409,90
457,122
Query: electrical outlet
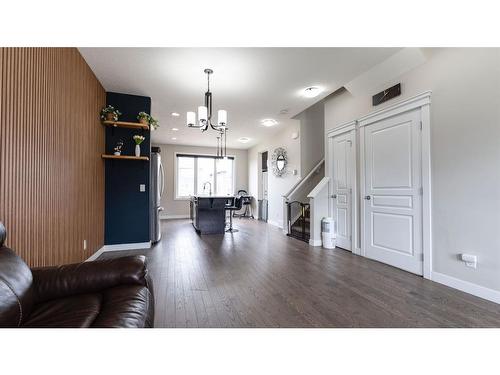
x,y
84,244
142,188
469,259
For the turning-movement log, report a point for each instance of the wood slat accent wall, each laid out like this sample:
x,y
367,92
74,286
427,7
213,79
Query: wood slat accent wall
x,y
51,171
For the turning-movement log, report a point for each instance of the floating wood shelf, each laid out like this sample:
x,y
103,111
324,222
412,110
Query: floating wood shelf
x,y
129,125
125,157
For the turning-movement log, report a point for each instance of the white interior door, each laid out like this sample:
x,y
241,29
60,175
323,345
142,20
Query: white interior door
x,y
392,196
342,169
264,186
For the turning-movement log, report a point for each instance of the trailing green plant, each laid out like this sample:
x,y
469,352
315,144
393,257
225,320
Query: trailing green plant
x,y
110,110
153,123
149,119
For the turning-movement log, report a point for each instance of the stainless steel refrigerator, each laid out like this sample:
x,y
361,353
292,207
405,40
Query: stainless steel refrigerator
x,y
157,188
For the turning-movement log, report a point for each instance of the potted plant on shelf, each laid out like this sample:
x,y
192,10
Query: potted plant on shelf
x,y
138,140
147,119
118,148
143,118
109,113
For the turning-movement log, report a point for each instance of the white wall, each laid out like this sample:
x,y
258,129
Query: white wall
x,y
177,208
465,146
312,133
277,186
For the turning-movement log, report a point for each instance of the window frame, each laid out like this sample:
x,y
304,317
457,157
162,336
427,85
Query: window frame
x,y
196,156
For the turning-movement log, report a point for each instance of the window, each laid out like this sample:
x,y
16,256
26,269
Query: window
x,y
185,176
199,174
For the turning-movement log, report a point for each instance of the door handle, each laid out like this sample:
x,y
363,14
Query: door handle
x,y
162,179
367,197
334,196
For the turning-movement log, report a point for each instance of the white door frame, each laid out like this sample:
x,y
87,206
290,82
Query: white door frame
x,y
349,127
422,101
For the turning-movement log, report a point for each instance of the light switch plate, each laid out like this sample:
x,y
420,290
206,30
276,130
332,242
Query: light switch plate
x,y
142,188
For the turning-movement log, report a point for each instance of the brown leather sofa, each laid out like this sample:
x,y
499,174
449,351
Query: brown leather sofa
x,y
108,293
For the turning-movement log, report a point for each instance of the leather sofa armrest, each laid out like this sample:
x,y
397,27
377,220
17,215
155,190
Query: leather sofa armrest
x,y
89,277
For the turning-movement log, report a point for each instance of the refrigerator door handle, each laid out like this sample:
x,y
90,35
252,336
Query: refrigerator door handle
x,y
162,179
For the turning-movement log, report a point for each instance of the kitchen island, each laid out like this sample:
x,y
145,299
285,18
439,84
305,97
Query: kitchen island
x,y
208,213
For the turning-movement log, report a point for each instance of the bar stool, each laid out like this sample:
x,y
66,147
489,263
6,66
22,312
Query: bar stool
x,y
234,206
247,203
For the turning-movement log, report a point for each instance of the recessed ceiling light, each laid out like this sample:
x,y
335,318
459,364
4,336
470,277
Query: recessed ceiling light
x,y
312,91
243,140
173,138
269,122
175,129
175,114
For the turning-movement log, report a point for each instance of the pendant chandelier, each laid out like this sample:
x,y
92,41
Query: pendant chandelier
x,y
205,119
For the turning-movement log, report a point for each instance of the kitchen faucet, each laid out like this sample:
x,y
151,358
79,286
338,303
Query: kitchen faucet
x,y
209,183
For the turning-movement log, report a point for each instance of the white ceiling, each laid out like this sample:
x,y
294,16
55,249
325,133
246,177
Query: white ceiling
x,y
250,83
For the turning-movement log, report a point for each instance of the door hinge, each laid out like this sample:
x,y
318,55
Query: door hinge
x,y
421,191
420,125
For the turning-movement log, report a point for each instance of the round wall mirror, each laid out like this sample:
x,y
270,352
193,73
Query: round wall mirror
x,y
279,161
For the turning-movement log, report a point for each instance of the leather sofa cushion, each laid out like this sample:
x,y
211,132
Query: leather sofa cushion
x,y
71,312
127,306
16,292
88,277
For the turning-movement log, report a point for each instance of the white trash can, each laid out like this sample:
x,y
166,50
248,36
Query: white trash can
x,y
328,233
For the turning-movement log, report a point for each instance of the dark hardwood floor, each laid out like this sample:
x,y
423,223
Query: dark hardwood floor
x,y
258,277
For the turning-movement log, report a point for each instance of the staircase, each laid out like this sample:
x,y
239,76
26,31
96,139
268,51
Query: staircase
x,y
299,223
296,212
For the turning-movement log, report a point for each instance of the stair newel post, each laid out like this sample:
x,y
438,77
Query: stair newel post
x,y
303,213
289,215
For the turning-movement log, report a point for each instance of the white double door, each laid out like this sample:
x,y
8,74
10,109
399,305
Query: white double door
x,y
343,167
392,200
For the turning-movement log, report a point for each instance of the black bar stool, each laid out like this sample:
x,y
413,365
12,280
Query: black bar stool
x,y
247,203
234,206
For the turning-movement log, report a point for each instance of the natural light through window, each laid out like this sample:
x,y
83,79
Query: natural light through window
x,y
202,175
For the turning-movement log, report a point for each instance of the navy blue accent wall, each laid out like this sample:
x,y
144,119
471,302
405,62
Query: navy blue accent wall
x,y
126,208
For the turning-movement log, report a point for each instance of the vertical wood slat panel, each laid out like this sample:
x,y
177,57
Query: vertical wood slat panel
x,y
51,172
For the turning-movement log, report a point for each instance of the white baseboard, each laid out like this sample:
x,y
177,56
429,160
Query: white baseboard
x,y
467,287
315,242
169,217
275,223
119,247
96,255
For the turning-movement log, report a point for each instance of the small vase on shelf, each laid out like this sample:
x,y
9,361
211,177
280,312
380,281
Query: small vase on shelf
x,y
137,150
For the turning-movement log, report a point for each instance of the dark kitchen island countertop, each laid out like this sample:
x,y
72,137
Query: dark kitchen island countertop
x,y
208,213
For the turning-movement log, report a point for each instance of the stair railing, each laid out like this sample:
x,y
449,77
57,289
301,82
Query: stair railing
x,y
294,217
295,190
